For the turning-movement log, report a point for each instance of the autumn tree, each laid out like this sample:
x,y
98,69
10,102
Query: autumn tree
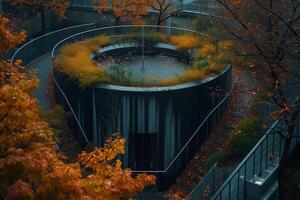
x,y
163,8
269,32
122,10
9,38
108,180
30,165
133,10
58,7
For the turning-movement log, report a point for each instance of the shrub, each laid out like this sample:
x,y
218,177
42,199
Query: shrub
x,y
213,57
207,50
209,59
214,68
200,63
55,118
215,31
202,25
217,157
242,140
95,43
192,74
225,45
98,75
119,74
244,137
153,38
224,58
75,61
149,38
195,74
259,100
185,42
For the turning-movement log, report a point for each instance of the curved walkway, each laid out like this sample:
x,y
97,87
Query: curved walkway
x,y
194,170
65,139
43,64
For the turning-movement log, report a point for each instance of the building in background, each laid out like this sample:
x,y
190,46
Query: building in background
x,y
1,9
194,6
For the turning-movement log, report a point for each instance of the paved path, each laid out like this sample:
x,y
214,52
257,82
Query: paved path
x,y
43,65
66,141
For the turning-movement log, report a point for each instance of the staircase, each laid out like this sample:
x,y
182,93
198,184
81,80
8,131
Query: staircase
x,y
264,186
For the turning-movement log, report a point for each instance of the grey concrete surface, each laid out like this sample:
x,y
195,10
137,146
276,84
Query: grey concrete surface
x,y
43,65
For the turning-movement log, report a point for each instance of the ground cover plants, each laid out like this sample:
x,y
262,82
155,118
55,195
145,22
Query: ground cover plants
x,y
75,61
208,58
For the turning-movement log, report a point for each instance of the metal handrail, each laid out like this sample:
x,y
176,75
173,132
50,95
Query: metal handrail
x,y
245,160
71,109
127,26
181,7
45,35
205,177
197,130
151,26
42,36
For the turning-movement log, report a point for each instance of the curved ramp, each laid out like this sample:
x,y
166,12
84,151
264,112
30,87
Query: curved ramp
x,y
43,64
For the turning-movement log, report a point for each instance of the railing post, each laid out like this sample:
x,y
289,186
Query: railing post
x,y
245,178
251,157
253,165
261,152
267,151
212,115
143,48
238,185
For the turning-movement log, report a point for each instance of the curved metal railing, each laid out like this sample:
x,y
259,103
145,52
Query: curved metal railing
x,y
71,34
39,46
115,30
210,114
190,6
167,29
265,154
51,38
70,107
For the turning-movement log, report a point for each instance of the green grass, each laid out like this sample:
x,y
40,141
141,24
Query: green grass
x,y
242,139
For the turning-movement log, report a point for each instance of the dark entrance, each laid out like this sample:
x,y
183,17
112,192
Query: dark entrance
x,y
144,151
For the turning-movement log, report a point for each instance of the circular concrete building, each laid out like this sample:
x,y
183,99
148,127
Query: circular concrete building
x,y
162,125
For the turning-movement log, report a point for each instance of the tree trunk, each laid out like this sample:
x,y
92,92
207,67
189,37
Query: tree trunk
x,y
43,20
292,126
282,165
158,23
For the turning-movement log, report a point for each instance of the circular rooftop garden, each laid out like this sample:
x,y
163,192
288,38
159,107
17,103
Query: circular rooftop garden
x,y
153,60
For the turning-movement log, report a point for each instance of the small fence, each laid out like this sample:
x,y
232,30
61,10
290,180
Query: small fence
x,y
43,44
167,175
142,34
265,154
208,7
210,183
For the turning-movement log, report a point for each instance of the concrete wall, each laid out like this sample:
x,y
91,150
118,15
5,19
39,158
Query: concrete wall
x,y
173,113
